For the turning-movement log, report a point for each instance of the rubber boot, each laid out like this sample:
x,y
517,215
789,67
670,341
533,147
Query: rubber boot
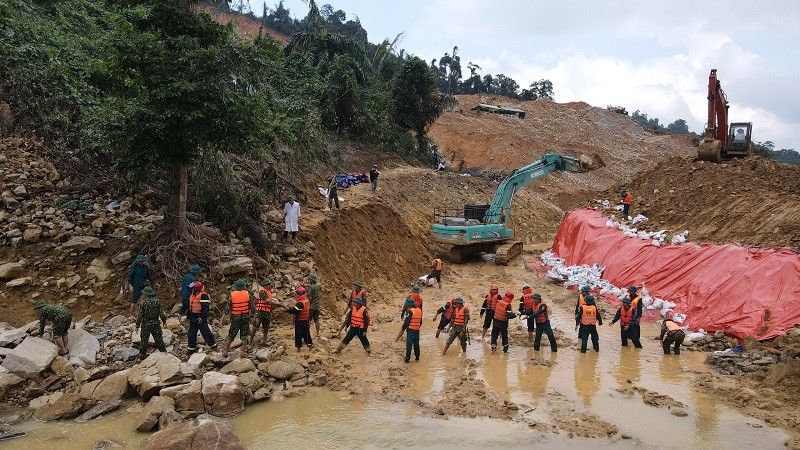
x,y
369,351
339,349
243,352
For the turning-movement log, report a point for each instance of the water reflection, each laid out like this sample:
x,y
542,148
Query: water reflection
x,y
587,379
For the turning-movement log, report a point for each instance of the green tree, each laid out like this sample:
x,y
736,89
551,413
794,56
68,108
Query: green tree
x,y
506,86
766,149
415,99
538,89
678,127
788,155
179,85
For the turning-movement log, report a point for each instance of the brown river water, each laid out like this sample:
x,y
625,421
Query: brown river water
x,y
586,382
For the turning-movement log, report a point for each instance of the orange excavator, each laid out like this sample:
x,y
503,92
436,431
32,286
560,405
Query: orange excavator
x,y
721,142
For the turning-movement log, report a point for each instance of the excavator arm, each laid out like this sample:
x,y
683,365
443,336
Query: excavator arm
x,y
723,142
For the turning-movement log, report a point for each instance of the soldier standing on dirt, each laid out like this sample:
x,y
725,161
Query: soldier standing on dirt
x,y
359,320
502,312
302,312
628,318
586,321
147,318
626,203
313,299
488,308
333,194
240,306
671,335
436,270
61,318
411,324
263,310
199,302
186,290
458,327
373,178
138,277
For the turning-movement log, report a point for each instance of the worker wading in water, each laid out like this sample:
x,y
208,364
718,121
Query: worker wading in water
x,y
586,322
411,325
447,314
502,312
358,320
458,326
489,301
539,313
628,318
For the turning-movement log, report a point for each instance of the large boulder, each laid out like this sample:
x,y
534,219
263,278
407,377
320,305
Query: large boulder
x,y
166,334
66,407
12,270
30,358
9,336
7,380
283,370
239,365
188,398
240,264
83,348
112,387
223,394
148,416
201,433
82,243
157,371
124,353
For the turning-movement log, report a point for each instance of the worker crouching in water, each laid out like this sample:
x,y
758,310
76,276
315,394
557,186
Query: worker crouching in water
x,y
628,317
502,312
539,314
359,320
197,313
672,335
411,324
586,321
458,326
302,312
447,314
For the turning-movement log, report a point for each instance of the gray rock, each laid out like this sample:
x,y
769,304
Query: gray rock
x,y
99,409
166,334
124,353
104,444
12,270
240,365
196,361
83,348
19,282
157,371
117,321
283,370
30,358
66,407
241,264
148,416
122,257
32,234
82,243
7,337
222,394
201,433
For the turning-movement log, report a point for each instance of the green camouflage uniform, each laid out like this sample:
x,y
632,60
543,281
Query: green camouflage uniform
x,y
59,315
313,298
239,322
150,312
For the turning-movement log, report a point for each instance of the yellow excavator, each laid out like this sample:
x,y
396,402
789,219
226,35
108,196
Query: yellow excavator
x,y
722,143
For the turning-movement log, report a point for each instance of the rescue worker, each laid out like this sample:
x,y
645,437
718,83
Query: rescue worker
x,y
263,309
626,203
583,293
199,302
186,291
489,301
539,314
270,178
333,194
587,319
147,318
61,318
415,296
636,301
628,318
411,325
447,314
436,270
358,292
302,313
313,299
526,303
359,320
458,327
138,277
672,335
240,307
502,312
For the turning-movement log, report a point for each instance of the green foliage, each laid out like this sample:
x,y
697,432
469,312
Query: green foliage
x,y
766,150
788,156
415,99
678,127
538,89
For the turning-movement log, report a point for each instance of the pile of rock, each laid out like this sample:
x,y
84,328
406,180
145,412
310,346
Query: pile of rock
x,y
712,342
733,363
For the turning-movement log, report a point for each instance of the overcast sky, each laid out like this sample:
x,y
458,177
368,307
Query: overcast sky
x,y
644,55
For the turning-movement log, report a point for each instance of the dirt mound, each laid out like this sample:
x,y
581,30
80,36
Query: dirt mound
x,y
477,140
751,201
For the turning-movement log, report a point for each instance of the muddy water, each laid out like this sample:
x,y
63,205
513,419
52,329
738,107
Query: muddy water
x,y
542,383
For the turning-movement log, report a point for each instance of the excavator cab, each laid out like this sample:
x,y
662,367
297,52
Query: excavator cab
x,y
739,139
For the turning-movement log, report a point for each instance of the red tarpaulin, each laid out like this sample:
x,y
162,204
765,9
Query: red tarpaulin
x,y
743,291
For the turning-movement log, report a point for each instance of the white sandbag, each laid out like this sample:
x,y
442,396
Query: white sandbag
x,y
639,218
425,281
680,318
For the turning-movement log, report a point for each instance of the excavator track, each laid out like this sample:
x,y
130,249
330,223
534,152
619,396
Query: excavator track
x,y
459,253
710,150
508,251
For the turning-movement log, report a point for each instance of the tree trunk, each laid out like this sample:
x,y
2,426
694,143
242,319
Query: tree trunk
x,y
176,206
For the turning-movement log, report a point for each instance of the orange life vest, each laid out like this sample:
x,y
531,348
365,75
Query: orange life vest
x,y
627,199
357,314
436,264
417,299
541,318
416,319
306,311
448,313
194,302
588,315
491,300
500,310
671,326
240,302
354,295
460,315
625,316
528,301
635,302
264,305
581,301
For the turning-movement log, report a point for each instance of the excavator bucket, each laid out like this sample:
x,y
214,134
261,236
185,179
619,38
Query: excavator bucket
x,y
591,162
710,150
